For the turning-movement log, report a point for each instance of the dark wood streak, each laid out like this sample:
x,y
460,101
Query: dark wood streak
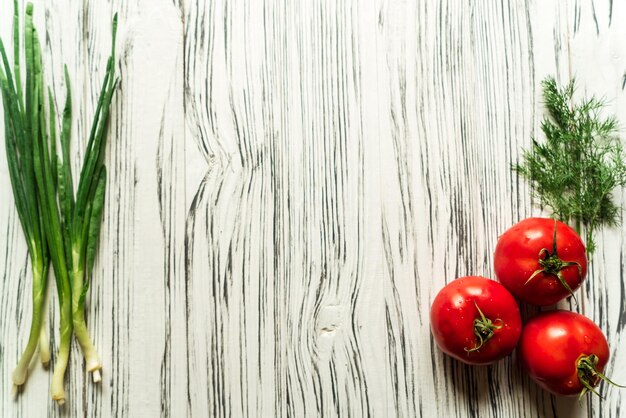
x,y
165,210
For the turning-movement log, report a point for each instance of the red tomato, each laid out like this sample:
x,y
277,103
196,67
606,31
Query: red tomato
x,y
475,320
540,264
561,350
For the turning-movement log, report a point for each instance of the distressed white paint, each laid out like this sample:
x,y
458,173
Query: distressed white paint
x,y
290,185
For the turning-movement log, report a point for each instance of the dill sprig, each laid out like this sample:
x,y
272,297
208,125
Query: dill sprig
x,y
575,171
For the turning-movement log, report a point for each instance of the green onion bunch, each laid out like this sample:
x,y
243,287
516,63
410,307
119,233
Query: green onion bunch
x,y
62,226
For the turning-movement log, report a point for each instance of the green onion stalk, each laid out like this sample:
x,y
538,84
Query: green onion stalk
x,y
19,151
86,216
46,170
70,222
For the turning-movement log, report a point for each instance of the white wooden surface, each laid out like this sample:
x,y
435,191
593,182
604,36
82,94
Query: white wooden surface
x,y
290,185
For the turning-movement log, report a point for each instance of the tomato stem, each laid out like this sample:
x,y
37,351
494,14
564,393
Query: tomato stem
x,y
590,376
552,264
484,329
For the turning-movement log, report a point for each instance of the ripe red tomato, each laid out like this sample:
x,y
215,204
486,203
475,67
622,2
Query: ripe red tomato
x,y
540,260
475,320
563,352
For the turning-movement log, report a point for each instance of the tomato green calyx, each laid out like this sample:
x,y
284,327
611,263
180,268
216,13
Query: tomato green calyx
x,y
484,329
552,264
590,376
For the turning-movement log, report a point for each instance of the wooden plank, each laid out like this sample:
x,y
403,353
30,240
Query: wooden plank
x,y
598,58
458,98
135,297
139,284
290,184
284,291
37,387
464,99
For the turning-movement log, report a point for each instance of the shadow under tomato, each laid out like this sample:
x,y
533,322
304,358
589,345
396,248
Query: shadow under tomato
x,y
484,391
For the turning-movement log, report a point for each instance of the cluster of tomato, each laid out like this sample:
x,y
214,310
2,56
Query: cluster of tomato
x,y
477,320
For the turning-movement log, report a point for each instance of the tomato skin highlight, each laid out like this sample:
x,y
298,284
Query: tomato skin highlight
x,y
453,312
517,257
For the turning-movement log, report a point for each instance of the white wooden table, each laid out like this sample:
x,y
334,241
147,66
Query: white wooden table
x,y
291,183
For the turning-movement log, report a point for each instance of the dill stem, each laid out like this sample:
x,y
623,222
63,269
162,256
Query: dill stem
x,y
578,229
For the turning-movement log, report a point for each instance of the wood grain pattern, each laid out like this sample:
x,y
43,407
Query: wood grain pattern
x,y
290,185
